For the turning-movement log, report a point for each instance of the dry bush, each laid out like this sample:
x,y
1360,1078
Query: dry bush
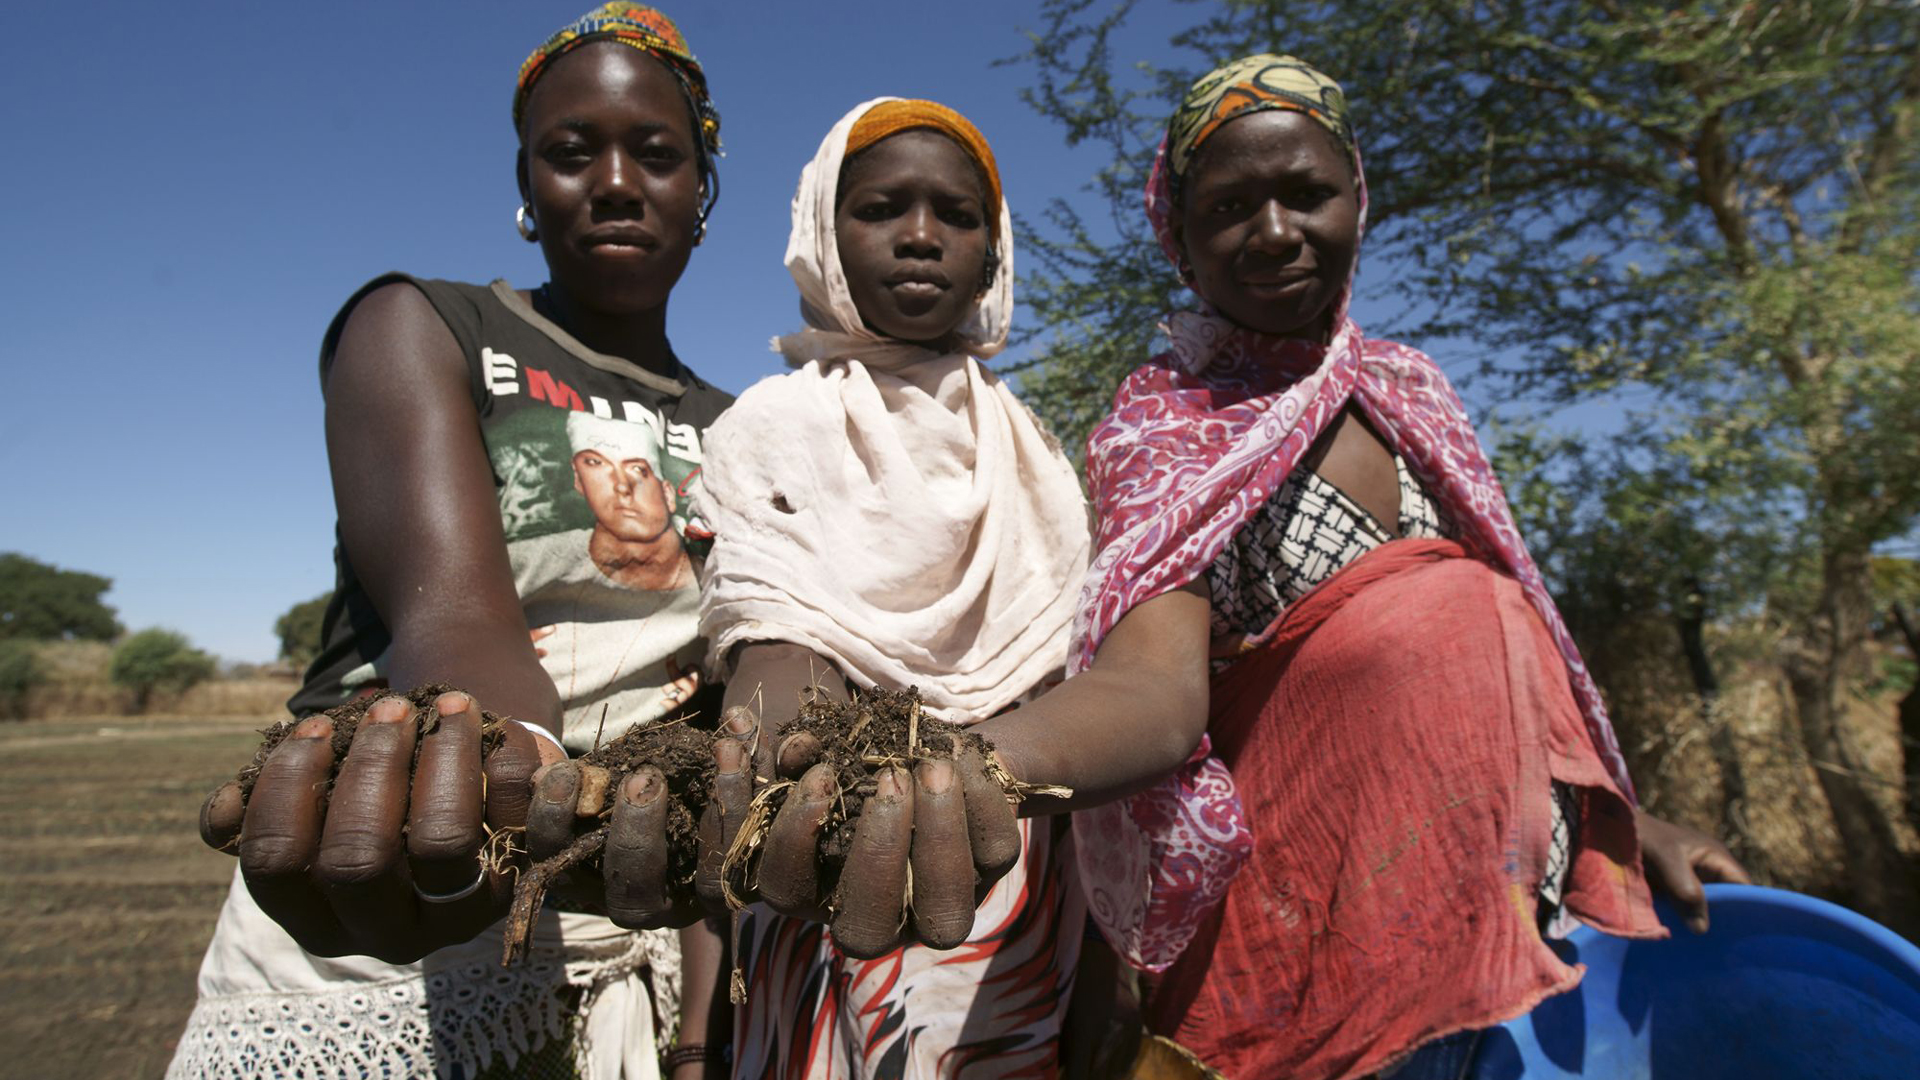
x,y
1784,832
1878,748
76,684
76,681
264,696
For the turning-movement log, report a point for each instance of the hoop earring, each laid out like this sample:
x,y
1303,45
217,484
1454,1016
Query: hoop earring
x,y
523,222
989,271
699,232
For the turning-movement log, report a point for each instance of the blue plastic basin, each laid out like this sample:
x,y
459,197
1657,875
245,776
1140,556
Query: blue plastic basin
x,y
1783,985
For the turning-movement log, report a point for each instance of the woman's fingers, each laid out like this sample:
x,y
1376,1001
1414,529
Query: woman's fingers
x,y
445,820
732,794
993,831
222,816
871,898
394,861
742,724
1716,863
789,875
509,768
550,816
942,861
1677,877
798,753
361,864
635,863
1678,859
281,835
1701,859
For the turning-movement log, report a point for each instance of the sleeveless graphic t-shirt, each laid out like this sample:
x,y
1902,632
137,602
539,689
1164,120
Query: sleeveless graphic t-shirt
x,y
594,461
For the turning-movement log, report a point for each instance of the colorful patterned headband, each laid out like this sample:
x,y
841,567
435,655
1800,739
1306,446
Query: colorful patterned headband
x,y
893,117
1253,84
640,27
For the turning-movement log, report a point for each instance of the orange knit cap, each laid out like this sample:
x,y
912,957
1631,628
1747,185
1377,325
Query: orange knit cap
x,y
893,117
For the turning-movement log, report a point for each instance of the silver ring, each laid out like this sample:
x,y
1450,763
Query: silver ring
x,y
480,875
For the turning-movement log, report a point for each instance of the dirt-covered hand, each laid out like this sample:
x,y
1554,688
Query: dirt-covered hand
x,y
946,825
384,856
1679,860
743,761
633,883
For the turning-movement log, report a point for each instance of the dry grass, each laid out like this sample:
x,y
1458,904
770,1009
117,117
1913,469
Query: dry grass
x,y
77,686
235,697
1790,838
110,894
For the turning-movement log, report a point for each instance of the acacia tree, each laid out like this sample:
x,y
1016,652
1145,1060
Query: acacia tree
x,y
40,602
1639,544
1714,206
157,659
298,629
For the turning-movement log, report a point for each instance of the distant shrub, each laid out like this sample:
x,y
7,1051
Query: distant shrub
x,y
299,630
158,660
20,671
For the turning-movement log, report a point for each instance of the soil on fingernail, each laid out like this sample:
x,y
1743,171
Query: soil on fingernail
x,y
346,720
683,756
876,729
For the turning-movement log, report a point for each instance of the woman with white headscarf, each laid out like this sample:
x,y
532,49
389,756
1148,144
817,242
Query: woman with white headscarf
x,y
888,514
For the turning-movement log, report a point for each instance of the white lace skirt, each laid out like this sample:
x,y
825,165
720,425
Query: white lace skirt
x,y
268,1009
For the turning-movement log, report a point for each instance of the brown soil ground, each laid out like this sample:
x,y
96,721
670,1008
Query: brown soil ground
x,y
110,896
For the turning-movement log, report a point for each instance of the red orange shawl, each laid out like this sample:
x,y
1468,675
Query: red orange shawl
x,y
1197,441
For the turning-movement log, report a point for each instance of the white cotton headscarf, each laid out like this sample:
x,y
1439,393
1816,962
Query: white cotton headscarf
x,y
898,511
619,440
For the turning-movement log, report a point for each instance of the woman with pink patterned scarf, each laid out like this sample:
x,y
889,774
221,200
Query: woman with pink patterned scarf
x,y
1341,770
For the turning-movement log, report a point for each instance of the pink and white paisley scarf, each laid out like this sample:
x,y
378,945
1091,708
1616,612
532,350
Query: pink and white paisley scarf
x,y
1199,438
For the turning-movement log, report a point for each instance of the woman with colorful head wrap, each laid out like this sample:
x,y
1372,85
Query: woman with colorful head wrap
x,y
1309,604
648,30
889,514
487,540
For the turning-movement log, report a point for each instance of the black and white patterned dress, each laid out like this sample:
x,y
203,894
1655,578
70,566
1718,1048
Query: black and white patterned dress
x,y
1307,531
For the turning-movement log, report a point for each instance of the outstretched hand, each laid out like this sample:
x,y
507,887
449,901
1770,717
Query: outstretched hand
x,y
1679,862
946,827
395,860
634,885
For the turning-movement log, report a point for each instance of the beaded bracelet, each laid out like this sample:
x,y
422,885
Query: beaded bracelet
x,y
692,1052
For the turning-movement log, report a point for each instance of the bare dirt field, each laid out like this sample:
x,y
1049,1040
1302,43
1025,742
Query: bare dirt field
x,y
110,896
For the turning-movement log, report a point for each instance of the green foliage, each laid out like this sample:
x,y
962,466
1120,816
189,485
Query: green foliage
x,y
1626,531
299,630
39,602
1896,581
158,659
1892,673
1707,210
1714,202
1896,596
1712,208
20,671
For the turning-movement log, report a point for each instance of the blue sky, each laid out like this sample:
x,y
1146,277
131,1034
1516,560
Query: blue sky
x,y
194,188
